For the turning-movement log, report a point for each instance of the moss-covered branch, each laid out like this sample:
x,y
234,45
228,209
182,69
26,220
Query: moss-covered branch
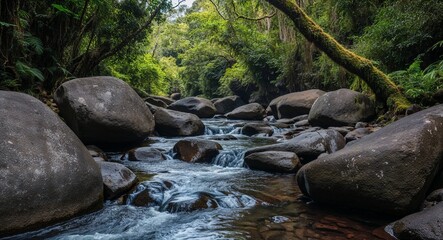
x,y
385,90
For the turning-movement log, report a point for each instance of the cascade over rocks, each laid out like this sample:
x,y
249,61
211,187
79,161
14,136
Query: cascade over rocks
x,y
227,104
104,110
308,146
274,161
294,104
46,173
201,107
117,179
389,171
251,111
196,150
341,108
175,123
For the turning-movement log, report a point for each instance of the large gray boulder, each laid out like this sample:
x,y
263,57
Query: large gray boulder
x,y
252,111
195,150
175,123
427,225
343,107
227,104
273,161
389,171
46,173
294,104
201,107
104,110
308,146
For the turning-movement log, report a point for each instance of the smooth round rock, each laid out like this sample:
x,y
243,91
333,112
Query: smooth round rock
x,y
104,110
46,173
274,161
174,123
343,107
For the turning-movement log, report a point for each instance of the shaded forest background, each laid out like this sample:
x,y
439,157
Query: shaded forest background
x,y
217,48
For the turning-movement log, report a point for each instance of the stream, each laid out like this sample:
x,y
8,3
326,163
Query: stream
x,y
239,203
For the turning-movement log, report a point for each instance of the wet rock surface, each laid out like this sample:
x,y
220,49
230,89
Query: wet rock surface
x,y
117,179
196,150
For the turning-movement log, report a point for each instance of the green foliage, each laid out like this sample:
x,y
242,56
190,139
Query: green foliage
x,y
63,9
239,71
402,31
44,43
418,84
201,50
143,73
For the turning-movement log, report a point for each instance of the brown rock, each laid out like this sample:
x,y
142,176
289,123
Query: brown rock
x,y
196,150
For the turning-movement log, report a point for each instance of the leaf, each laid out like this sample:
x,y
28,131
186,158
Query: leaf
x,y
35,43
5,24
28,71
65,10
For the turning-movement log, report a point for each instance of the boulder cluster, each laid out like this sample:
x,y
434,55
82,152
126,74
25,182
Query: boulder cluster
x,y
49,175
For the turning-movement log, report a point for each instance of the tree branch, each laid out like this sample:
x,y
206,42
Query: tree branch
x,y
218,11
251,19
178,4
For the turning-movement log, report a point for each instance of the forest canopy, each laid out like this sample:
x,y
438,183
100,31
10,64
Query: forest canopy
x,y
218,47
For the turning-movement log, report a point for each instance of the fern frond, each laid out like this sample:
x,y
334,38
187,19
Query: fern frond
x,y
25,70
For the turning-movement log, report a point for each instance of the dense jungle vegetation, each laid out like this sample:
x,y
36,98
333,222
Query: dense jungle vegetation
x,y
218,47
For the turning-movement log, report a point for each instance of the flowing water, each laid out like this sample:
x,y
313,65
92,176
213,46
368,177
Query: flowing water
x,y
220,200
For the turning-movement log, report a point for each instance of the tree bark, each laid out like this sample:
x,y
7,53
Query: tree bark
x,y
385,90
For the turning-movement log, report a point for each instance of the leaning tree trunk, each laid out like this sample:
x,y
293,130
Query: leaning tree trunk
x,y
385,90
